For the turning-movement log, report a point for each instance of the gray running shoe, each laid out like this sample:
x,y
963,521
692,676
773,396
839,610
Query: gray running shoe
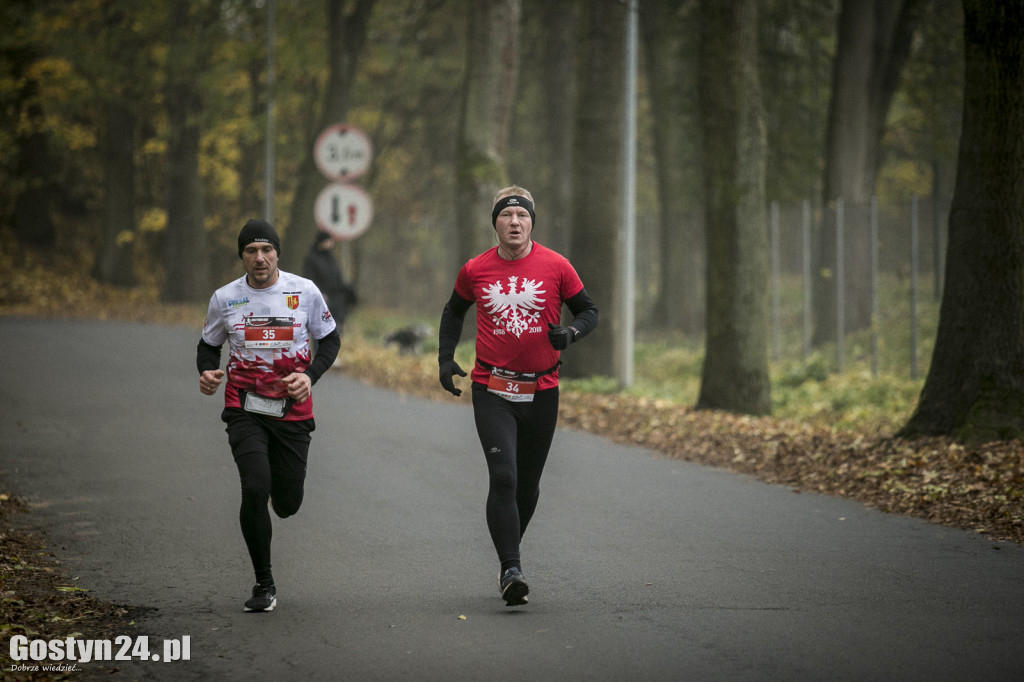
x,y
513,587
263,599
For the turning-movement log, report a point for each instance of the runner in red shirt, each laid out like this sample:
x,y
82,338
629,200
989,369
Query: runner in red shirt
x,y
519,288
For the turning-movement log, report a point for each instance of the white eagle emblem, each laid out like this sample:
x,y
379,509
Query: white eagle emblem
x,y
515,310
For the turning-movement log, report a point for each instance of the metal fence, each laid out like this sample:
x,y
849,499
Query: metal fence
x,y
896,246
891,253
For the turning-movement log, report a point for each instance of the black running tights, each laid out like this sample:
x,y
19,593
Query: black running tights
x,y
515,438
271,458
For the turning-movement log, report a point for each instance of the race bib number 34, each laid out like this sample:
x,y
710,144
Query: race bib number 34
x,y
511,387
268,332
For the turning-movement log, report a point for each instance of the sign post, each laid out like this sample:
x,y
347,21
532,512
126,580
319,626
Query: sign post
x,y
343,210
343,153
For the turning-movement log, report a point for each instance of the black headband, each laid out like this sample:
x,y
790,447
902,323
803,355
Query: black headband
x,y
514,200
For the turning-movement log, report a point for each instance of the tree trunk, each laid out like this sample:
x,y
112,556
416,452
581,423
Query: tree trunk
x,y
541,156
671,34
874,43
975,387
251,154
186,250
186,247
115,261
735,374
31,218
597,179
492,67
346,38
33,184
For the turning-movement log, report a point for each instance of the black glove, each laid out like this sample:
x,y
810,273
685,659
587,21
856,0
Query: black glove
x,y
447,369
560,337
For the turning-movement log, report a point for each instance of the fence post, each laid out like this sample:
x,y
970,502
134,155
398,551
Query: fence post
x,y
840,288
937,257
805,229
914,267
776,303
874,287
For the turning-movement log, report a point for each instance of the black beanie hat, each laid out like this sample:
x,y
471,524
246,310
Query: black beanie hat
x,y
258,231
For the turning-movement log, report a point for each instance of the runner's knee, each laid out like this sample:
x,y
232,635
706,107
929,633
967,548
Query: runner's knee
x,y
503,480
286,506
286,500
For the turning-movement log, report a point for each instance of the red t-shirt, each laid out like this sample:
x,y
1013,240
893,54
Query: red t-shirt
x,y
515,301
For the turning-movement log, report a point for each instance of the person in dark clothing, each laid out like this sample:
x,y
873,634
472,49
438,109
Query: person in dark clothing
x,y
322,267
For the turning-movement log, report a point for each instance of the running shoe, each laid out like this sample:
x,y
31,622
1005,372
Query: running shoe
x,y
263,599
513,587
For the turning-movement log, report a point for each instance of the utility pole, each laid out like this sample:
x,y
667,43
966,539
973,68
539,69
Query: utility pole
x,y
268,173
627,246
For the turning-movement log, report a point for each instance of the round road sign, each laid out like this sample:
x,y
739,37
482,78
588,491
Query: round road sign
x,y
342,152
343,210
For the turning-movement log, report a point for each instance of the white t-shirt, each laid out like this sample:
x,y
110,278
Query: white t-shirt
x,y
268,333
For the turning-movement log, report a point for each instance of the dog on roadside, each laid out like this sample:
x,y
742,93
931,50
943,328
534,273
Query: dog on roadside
x,y
408,339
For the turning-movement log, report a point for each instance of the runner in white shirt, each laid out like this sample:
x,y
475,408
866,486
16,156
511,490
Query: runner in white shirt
x,y
268,317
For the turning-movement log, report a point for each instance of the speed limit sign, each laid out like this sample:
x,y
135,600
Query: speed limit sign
x,y
343,210
342,152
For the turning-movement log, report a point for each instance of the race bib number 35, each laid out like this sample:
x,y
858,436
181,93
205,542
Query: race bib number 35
x,y
268,332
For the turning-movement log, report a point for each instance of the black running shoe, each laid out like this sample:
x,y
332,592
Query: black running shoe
x,y
513,587
263,599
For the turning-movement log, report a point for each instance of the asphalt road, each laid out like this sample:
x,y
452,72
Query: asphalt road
x,y
640,567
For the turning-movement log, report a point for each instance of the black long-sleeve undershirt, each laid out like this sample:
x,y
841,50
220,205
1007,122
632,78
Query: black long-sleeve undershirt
x,y
450,328
584,313
454,314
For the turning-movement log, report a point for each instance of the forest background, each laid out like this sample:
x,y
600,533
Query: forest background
x,y
137,141
137,134
134,144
